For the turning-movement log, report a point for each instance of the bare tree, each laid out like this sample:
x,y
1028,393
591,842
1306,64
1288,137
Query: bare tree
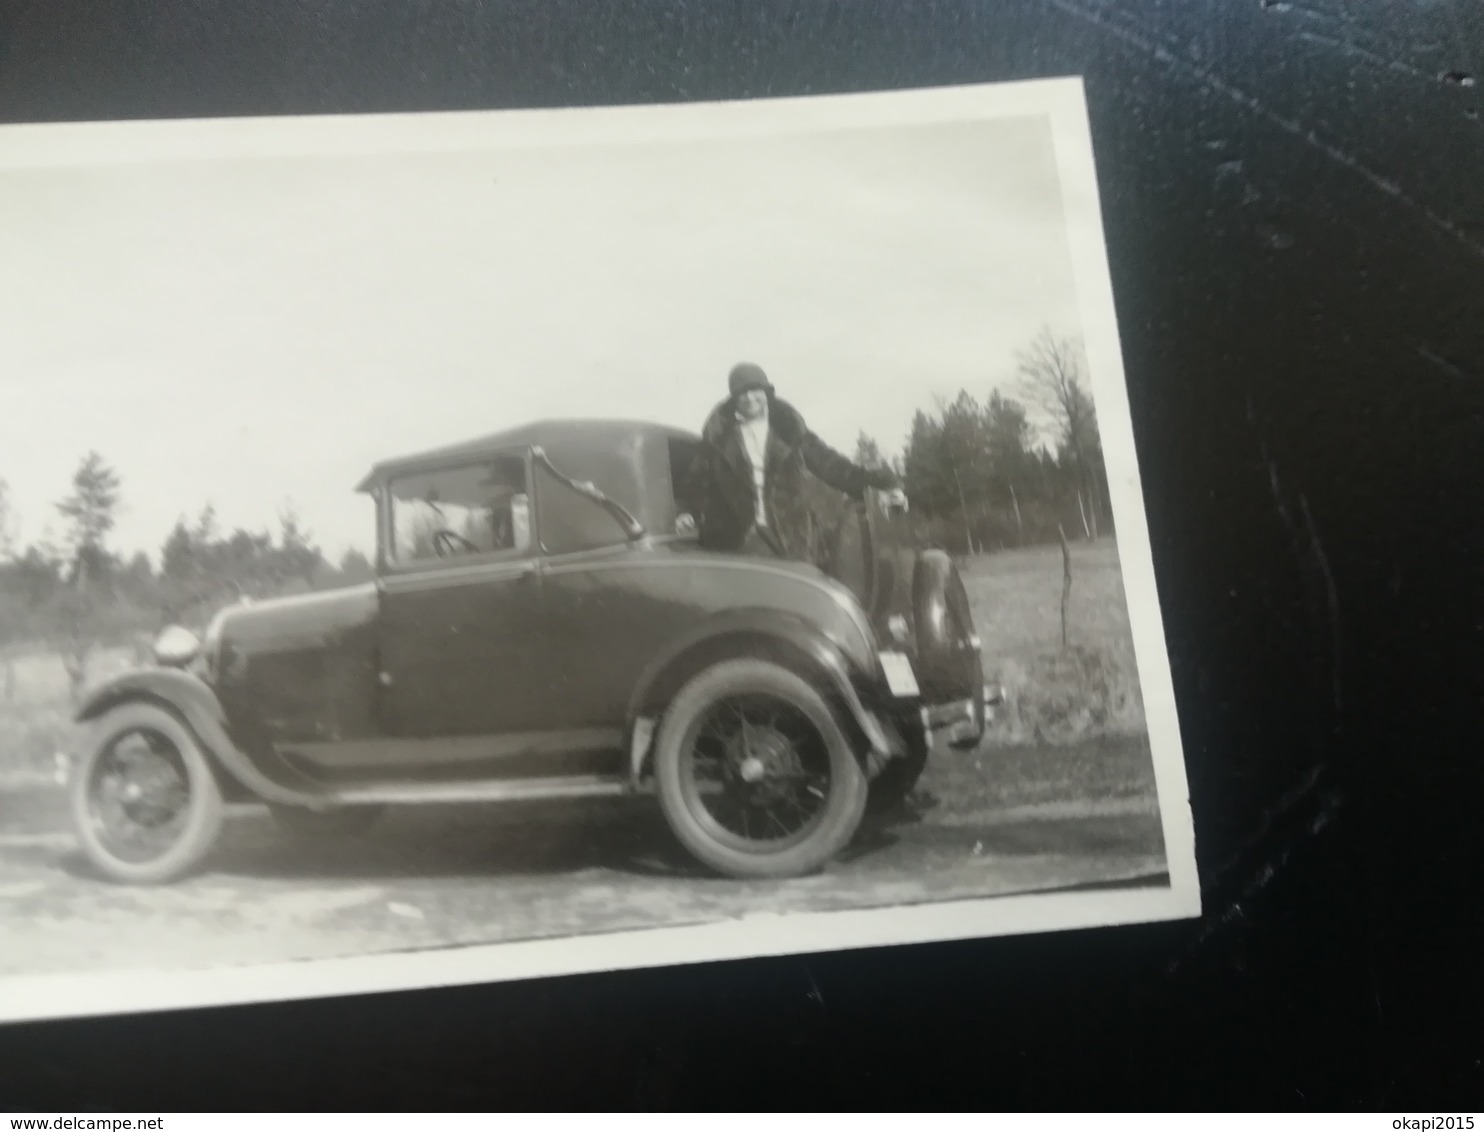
x,y
1051,379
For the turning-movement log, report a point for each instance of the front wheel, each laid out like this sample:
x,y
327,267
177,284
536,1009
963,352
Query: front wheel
x,y
145,800
755,776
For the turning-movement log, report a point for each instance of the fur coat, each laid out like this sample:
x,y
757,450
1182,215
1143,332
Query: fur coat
x,y
727,508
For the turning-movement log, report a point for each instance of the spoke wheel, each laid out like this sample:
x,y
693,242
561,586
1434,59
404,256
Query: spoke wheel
x,y
145,802
755,775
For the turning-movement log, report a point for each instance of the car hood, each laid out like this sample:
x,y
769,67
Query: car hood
x,y
693,551
303,620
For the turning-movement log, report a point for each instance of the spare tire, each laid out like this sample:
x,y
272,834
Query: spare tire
x,y
871,555
949,664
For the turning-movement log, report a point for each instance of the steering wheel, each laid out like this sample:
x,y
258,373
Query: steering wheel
x,y
446,542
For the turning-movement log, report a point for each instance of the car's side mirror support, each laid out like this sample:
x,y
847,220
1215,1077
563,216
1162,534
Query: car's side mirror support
x,y
631,525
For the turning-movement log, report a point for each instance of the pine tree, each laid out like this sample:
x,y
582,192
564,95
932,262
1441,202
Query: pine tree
x,y
90,513
355,567
178,557
964,452
868,452
79,608
299,558
1007,435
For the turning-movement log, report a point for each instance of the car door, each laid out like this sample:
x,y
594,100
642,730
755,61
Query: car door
x,y
461,602
610,608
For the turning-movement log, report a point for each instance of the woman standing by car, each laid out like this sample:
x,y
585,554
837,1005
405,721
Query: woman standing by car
x,y
756,451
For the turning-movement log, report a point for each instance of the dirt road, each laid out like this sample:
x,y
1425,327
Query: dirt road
x,y
1003,822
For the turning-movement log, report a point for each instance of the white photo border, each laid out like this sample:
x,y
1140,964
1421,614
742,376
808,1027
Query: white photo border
x,y
1062,102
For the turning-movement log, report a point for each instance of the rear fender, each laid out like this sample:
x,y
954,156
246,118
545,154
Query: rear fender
x,y
188,697
759,634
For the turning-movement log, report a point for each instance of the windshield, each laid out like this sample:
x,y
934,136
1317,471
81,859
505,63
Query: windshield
x,y
476,508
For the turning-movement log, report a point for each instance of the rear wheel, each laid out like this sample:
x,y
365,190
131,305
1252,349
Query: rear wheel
x,y
755,776
145,801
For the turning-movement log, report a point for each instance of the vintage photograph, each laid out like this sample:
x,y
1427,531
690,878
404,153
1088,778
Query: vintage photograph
x,y
445,548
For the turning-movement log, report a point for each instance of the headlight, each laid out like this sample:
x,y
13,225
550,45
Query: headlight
x,y
176,646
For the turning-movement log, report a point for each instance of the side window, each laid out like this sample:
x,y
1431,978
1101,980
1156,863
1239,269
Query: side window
x,y
469,509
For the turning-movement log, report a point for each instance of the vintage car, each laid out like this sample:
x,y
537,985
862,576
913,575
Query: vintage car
x,y
545,625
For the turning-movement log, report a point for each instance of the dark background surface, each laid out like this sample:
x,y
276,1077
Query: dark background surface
x,y
1294,207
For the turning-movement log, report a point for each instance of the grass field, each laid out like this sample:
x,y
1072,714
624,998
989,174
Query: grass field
x,y
1054,695
1061,795
35,709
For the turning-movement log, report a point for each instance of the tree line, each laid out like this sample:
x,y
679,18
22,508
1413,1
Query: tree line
x,y
981,477
76,596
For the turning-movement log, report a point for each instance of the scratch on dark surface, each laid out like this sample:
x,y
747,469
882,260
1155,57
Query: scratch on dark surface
x,y
1330,801
1332,597
814,991
1303,12
1262,877
1308,534
1445,364
1213,82
1272,467
1355,50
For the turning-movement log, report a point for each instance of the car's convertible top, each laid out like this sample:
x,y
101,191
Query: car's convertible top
x,y
632,461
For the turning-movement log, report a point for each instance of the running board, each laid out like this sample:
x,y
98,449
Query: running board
x,y
498,790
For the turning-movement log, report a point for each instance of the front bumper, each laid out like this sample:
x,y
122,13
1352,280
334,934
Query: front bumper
x,y
962,722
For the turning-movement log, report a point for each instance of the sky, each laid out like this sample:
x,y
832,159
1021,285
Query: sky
x,y
255,332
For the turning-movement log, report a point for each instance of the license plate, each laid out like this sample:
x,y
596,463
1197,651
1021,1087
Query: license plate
x,y
899,676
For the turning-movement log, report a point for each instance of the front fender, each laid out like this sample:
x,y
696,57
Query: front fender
x,y
749,632
189,697
186,693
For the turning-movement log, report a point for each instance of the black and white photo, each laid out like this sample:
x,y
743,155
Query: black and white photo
x,y
442,548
